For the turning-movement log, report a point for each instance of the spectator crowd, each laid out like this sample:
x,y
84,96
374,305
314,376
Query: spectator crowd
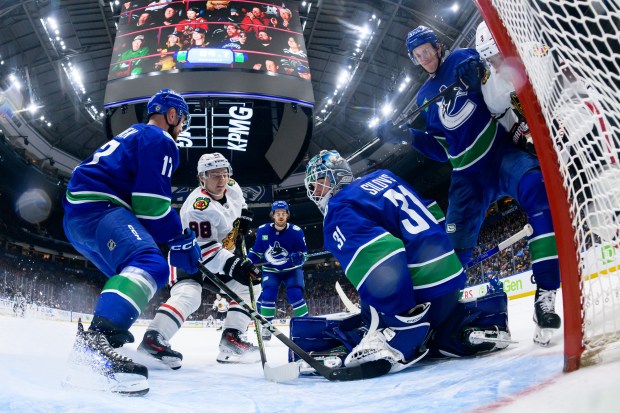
x,y
70,285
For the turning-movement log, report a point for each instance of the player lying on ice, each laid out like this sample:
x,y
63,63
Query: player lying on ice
x,y
396,253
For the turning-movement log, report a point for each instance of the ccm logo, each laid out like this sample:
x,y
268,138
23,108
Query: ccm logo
x,y
183,247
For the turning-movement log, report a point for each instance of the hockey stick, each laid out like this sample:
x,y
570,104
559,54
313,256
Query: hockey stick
x,y
415,113
352,308
259,337
290,371
525,232
308,256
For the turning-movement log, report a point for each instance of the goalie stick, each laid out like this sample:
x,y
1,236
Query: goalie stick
x,y
352,308
525,232
290,371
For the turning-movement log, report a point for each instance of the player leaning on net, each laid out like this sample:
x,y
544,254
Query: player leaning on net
x,y
282,246
216,211
499,92
485,164
117,209
584,133
397,255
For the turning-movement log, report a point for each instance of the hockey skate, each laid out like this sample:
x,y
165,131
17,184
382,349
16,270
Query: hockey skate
x,y
235,349
157,346
265,334
547,321
94,365
492,338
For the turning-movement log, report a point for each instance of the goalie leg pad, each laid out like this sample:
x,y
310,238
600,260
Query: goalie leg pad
x,y
321,334
487,314
402,343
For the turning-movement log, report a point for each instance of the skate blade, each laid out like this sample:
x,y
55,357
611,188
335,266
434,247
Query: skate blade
x,y
231,358
285,372
479,337
542,336
173,362
83,378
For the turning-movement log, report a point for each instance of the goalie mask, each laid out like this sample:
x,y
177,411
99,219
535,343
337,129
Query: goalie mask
x,y
326,174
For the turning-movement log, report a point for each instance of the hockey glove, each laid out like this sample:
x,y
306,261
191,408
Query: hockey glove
x,y
389,134
244,221
470,72
242,270
522,138
297,258
185,251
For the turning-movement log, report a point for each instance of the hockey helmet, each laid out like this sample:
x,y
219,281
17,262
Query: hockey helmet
x,y
278,205
485,43
417,37
331,165
165,99
214,160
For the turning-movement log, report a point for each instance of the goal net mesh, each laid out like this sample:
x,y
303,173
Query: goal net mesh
x,y
571,53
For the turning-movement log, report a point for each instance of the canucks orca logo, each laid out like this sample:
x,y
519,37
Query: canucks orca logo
x,y
276,254
452,112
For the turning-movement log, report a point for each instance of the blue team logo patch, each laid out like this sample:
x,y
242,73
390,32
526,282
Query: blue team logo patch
x,y
450,228
276,254
265,237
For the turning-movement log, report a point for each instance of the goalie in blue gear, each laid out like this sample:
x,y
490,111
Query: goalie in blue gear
x,y
282,248
395,252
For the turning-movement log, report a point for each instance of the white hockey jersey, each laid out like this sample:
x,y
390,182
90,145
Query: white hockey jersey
x,y
498,86
496,90
213,223
220,305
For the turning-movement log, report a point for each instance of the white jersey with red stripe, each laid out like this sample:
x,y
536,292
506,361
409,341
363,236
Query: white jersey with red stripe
x,y
213,223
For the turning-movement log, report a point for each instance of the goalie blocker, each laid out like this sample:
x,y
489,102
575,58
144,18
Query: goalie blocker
x,y
471,328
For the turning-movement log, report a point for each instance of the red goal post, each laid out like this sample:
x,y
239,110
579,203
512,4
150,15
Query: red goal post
x,y
572,108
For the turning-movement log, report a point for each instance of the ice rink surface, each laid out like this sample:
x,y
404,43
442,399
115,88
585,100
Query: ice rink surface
x,y
524,377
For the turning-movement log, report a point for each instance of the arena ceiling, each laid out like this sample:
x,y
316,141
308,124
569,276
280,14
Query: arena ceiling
x,y
331,30
379,66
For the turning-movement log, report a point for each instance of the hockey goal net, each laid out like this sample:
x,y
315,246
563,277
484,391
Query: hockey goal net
x,y
565,60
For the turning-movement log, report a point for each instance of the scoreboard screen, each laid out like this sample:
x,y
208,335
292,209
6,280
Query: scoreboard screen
x,y
241,65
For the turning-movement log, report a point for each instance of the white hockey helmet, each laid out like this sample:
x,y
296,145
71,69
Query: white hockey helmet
x,y
214,160
485,43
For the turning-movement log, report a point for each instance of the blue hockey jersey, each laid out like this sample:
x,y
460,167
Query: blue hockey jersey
x,y
276,247
132,170
378,225
459,126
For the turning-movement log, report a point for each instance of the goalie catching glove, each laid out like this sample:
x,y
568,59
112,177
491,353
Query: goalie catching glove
x,y
241,270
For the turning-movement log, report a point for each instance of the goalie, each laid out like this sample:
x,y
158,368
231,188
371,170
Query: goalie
x,y
394,250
